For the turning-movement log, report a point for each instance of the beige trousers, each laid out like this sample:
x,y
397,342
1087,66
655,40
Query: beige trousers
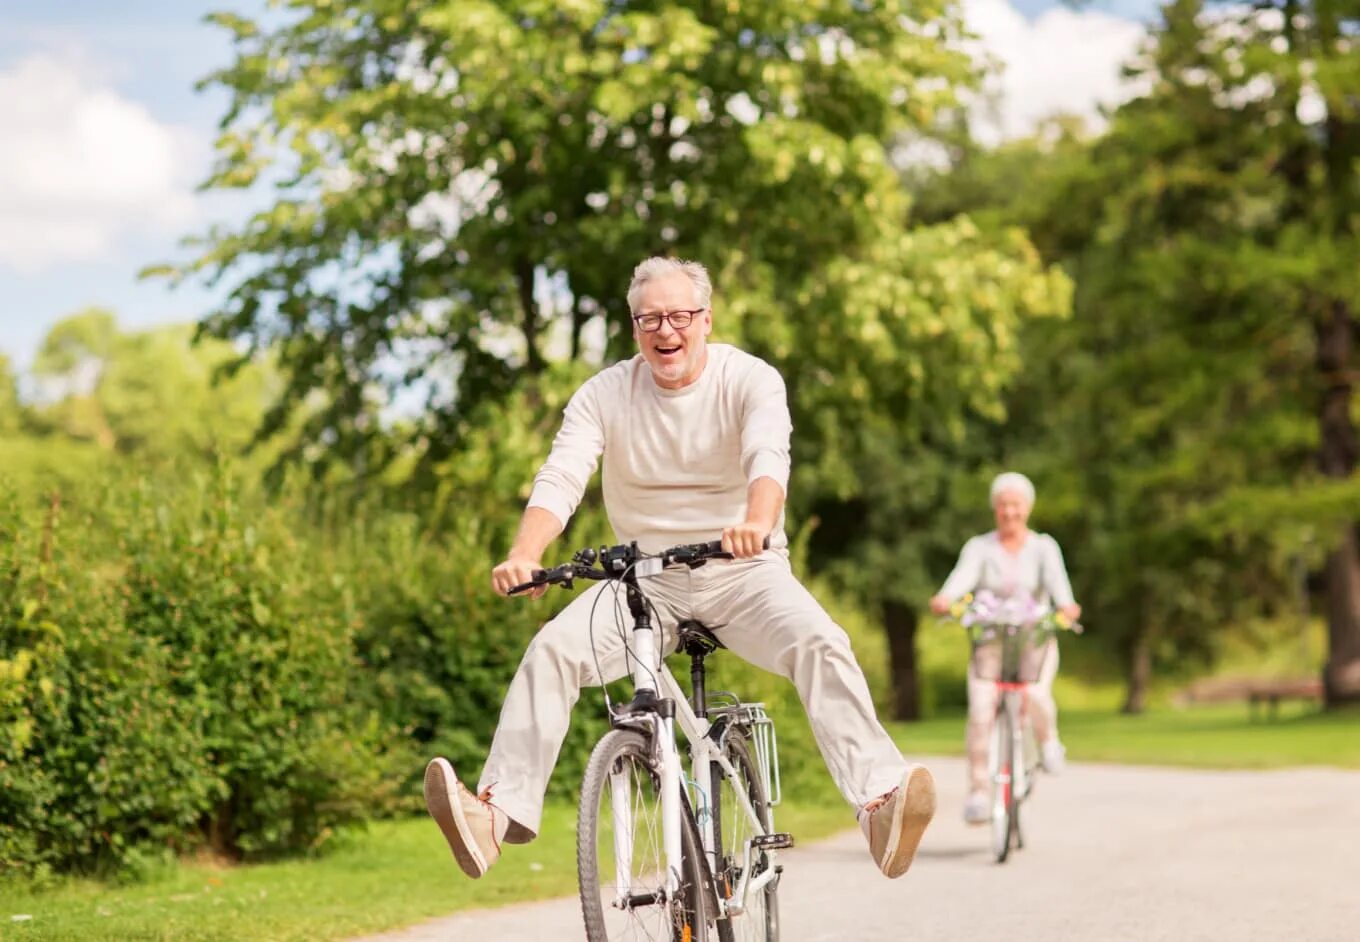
x,y
982,700
757,608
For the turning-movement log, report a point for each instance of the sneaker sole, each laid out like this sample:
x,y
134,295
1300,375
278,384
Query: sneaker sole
x,y
912,813
447,812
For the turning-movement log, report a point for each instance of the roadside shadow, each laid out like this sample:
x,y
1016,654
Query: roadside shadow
x,y
951,853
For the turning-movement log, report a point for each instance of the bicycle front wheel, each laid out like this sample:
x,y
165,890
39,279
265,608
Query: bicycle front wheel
x,y
735,829
621,853
1003,795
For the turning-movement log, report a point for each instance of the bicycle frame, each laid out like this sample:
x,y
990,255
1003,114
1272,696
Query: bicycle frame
x,y
1009,763
1014,700
657,683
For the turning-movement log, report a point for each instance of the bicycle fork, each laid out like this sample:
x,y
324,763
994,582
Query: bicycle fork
x,y
646,701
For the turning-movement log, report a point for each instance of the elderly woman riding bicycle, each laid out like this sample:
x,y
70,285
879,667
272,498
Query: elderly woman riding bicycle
x,y
1011,560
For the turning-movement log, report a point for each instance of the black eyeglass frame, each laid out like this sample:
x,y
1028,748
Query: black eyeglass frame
x,y
669,317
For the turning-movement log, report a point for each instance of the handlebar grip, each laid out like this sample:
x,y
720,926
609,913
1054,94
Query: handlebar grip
x,y
540,577
715,546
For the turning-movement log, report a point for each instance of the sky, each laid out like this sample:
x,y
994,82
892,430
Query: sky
x,y
104,139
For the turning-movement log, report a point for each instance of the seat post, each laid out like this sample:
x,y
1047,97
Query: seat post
x,y
697,684
698,642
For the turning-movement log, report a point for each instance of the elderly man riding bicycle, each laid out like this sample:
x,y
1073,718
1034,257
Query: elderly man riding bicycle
x,y
694,439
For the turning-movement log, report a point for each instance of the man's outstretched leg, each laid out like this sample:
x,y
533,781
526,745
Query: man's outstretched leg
x,y
775,623
508,805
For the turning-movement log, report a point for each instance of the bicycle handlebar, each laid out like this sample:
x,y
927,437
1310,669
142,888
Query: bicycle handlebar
x,y
615,562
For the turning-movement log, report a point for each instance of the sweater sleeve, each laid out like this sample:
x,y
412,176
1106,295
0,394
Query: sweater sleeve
x,y
1056,583
766,427
967,571
575,455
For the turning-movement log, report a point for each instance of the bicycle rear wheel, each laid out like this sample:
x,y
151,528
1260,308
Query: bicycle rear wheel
x,y
760,921
1003,796
621,854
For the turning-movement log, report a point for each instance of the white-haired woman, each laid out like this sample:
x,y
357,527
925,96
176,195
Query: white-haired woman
x,y
1010,560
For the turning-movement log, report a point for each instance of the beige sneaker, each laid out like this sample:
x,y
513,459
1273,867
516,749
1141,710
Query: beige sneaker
x,y
472,825
893,823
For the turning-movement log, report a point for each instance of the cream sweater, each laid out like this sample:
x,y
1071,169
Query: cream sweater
x,y
677,462
1037,569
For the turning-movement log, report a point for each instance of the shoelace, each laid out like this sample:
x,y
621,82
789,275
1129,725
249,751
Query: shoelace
x,y
484,796
871,806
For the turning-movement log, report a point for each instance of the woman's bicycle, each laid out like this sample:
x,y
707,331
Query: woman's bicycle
x,y
662,853
1010,640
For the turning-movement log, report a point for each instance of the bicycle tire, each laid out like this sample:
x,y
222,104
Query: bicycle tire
x,y
630,751
760,922
1003,796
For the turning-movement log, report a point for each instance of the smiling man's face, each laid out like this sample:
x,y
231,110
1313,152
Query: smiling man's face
x,y
677,355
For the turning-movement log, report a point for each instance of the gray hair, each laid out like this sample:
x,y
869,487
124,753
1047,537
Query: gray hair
x,y
659,266
1013,481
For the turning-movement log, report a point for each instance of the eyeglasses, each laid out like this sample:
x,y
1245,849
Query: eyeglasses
x,y
678,319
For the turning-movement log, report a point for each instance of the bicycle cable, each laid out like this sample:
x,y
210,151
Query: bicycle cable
x,y
594,652
657,645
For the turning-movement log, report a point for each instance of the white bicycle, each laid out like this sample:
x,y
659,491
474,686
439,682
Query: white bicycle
x,y
662,853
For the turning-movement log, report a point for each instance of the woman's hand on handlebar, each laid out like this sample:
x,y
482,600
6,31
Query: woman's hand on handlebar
x,y
744,540
517,570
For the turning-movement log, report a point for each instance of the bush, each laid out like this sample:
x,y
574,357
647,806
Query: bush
x,y
98,756
175,671
439,647
262,653
186,662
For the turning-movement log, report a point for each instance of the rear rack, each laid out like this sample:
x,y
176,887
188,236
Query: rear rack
x,y
752,717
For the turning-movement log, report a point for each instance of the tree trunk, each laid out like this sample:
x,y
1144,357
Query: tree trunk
x,y
1341,675
524,277
1337,459
900,622
1140,673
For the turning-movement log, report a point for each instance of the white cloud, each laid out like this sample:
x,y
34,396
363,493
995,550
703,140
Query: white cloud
x,y
82,167
1065,61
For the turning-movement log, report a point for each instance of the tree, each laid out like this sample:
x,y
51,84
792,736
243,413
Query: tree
x,y
1258,116
884,398
67,368
150,393
463,188
1203,234
11,409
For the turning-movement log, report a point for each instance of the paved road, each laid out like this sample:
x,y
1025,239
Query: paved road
x,y
1112,853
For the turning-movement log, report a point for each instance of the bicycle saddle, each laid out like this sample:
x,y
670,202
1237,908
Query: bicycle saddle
x,y
697,638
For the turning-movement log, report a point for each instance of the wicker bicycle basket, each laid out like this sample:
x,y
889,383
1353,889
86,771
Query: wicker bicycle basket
x,y
1009,653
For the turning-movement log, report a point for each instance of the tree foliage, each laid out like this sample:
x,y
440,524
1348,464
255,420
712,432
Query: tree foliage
x,y
11,410
462,188
1205,233
149,393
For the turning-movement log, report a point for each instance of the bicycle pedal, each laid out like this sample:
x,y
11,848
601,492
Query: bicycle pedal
x,y
772,841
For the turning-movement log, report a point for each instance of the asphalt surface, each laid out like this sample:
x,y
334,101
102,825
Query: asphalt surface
x,y
1112,853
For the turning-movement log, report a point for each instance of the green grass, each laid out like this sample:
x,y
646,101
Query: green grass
x,y
393,874
1214,737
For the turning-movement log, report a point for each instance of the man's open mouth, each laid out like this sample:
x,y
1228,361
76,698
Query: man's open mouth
x,y
667,351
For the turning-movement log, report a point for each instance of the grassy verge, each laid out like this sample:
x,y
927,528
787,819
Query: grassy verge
x,y
1216,737
393,874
